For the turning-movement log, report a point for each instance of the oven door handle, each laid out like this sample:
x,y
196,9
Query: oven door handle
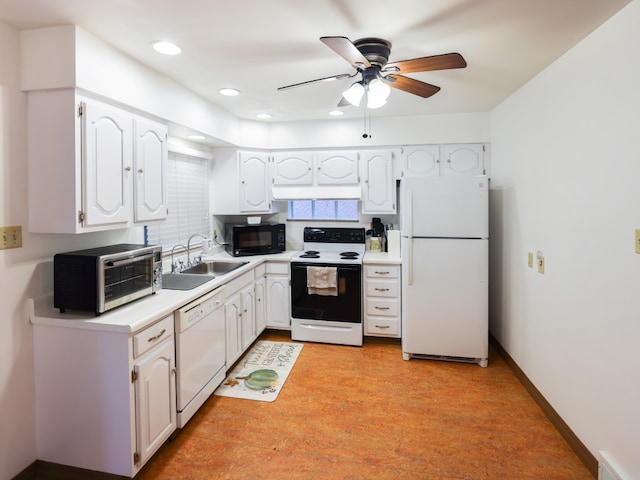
x,y
119,263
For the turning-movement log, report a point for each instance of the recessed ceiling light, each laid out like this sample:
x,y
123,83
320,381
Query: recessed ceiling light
x,y
229,92
336,113
195,137
167,48
264,115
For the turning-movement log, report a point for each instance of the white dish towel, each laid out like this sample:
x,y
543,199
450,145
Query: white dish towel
x,y
322,281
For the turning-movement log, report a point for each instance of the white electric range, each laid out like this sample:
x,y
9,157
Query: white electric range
x,y
333,312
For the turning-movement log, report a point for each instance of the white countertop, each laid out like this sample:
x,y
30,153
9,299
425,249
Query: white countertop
x,y
381,257
137,315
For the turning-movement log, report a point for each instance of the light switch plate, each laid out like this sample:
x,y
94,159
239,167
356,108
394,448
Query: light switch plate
x,y
637,240
530,259
10,237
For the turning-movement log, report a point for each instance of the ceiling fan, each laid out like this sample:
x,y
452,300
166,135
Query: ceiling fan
x,y
370,56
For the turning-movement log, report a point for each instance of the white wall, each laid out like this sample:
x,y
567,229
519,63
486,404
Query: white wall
x,y
24,272
566,181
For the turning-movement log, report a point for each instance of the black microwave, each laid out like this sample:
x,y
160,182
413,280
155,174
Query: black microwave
x,y
254,239
102,278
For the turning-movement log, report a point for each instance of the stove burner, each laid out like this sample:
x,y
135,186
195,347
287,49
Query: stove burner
x,y
309,255
312,252
350,254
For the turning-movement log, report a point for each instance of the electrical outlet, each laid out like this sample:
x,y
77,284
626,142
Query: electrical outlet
x,y
637,240
10,237
530,259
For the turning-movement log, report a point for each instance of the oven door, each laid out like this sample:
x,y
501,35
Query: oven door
x,y
345,307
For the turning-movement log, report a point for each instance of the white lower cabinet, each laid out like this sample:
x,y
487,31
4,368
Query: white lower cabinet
x,y
155,399
382,300
277,295
239,316
105,400
261,301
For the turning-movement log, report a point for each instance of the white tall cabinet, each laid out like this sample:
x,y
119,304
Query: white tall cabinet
x,y
92,166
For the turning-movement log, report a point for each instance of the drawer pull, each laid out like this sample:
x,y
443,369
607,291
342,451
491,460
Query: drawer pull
x,y
382,326
381,289
381,308
382,273
153,339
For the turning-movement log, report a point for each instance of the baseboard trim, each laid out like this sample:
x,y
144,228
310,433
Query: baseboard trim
x,y
571,438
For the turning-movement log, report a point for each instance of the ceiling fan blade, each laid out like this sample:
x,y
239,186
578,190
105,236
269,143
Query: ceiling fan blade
x,y
347,50
411,85
324,79
425,64
344,103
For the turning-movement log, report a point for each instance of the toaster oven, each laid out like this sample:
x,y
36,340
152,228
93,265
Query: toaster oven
x,y
100,279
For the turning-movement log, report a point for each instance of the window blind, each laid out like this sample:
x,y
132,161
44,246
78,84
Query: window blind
x,y
188,202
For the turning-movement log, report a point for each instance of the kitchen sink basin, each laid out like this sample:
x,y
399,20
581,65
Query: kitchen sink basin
x,y
179,281
213,267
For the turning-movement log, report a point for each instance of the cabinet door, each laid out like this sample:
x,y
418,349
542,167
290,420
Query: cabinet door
x,y
155,390
379,188
261,305
107,163
292,168
278,301
233,316
463,159
150,194
421,161
337,168
255,194
248,322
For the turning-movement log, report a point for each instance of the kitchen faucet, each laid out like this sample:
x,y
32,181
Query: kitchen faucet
x,y
189,246
173,265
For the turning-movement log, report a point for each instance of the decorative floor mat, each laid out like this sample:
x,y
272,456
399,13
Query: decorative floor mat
x,y
261,373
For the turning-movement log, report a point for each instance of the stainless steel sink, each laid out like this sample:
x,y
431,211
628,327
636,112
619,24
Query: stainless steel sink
x,y
213,267
179,281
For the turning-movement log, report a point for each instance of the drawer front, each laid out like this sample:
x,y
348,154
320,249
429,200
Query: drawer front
x,y
382,271
375,325
152,336
384,307
382,288
278,268
260,270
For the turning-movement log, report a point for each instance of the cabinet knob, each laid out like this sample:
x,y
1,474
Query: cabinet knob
x,y
127,169
139,170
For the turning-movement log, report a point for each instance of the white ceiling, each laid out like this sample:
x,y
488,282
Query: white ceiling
x,y
257,46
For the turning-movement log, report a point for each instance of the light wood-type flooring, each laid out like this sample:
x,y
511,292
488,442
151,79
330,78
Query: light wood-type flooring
x,y
365,413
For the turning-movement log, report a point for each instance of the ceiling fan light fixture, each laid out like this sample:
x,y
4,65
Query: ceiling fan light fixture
x,y
354,94
378,92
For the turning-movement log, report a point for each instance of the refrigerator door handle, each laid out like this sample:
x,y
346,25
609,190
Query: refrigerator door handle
x,y
409,233
409,261
409,213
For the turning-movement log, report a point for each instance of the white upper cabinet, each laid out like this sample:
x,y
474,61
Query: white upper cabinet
x,y
255,193
293,168
107,160
421,161
448,159
337,167
150,159
86,168
463,159
379,184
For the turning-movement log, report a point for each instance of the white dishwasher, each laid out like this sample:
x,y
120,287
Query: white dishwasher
x,y
200,352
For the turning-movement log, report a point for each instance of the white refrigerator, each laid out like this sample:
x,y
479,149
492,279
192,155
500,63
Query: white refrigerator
x,y
445,250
